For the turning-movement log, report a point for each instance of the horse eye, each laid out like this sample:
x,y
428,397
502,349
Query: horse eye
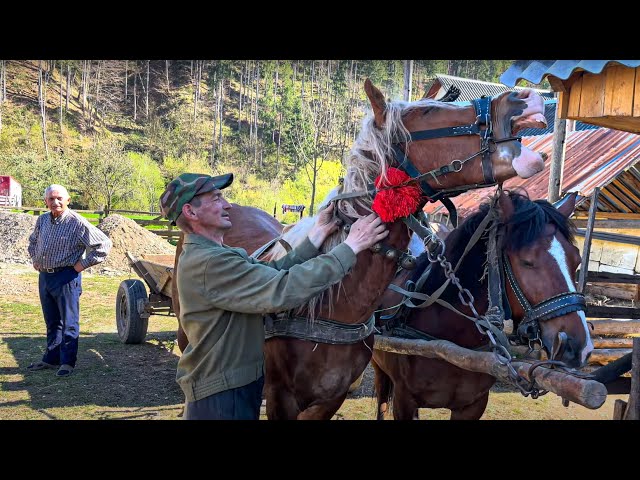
x,y
527,263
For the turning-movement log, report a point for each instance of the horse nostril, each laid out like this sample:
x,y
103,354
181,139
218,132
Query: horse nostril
x,y
559,345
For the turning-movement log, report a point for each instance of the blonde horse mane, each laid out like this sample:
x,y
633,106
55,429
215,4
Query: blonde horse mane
x,y
367,159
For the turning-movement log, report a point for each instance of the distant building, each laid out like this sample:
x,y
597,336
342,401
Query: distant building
x,y
10,192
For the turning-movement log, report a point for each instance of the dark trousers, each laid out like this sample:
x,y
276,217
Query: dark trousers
x,y
242,403
60,299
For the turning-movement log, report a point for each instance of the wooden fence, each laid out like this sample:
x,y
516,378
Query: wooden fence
x,y
169,232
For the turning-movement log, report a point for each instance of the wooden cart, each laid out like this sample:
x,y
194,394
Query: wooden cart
x,y
134,306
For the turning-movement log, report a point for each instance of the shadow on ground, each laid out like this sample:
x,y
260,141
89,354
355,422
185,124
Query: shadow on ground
x,y
108,374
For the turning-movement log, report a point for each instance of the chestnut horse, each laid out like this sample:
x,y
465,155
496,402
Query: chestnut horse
x,y
435,141
540,260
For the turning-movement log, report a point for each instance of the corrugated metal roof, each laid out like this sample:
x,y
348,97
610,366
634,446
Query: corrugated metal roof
x,y
534,71
594,158
472,89
550,115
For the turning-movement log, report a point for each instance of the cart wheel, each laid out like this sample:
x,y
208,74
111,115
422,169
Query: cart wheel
x,y
132,328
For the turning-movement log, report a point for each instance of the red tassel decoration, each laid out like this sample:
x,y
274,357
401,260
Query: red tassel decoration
x,y
393,203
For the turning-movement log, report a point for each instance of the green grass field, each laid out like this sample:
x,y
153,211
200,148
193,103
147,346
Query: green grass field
x,y
117,381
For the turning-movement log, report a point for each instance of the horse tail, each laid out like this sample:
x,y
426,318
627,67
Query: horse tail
x,y
383,388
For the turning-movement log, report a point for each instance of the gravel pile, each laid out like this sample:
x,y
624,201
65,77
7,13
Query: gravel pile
x,y
15,229
125,234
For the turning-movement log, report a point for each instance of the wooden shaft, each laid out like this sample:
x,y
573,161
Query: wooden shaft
x,y
588,393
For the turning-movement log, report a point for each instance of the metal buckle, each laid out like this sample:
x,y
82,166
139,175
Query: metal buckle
x,y
50,270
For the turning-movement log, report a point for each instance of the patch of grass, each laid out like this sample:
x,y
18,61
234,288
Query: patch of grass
x,y
111,380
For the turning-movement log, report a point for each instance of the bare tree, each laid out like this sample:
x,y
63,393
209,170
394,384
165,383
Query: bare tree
x,y
69,83
42,100
60,99
135,97
146,103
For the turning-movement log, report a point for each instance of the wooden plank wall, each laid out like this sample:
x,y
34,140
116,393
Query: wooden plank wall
x,y
607,99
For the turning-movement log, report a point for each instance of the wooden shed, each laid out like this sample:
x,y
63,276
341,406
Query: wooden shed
x,y
600,92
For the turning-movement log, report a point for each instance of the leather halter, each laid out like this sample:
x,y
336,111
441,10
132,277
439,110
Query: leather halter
x,y
482,107
556,306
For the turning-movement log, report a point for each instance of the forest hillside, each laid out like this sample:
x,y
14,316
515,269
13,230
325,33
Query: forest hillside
x,y
116,131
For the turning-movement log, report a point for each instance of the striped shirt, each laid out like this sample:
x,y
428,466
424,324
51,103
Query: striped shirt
x,y
60,242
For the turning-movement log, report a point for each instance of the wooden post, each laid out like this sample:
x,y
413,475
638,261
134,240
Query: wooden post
x,y
586,248
557,162
170,234
633,406
274,210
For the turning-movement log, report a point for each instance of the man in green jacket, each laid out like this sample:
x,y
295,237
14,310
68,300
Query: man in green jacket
x,y
224,293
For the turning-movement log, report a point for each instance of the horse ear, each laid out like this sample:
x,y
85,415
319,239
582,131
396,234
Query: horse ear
x,y
506,206
567,205
377,102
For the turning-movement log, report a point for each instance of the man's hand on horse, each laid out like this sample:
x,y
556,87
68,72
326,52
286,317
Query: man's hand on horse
x,y
366,232
325,225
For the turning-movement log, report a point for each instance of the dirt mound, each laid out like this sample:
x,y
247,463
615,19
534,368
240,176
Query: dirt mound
x,y
15,229
127,235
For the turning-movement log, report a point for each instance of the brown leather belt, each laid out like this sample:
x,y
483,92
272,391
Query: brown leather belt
x,y
55,270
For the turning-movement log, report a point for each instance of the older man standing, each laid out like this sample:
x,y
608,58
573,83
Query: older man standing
x,y
56,246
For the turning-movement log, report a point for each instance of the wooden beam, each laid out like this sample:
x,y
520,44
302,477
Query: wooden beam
x,y
610,237
618,328
604,311
588,393
607,342
586,249
626,224
608,216
608,277
606,355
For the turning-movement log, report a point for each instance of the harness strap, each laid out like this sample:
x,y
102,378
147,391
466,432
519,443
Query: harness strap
x,y
319,330
483,111
269,244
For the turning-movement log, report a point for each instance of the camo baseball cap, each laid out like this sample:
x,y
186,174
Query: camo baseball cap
x,y
182,189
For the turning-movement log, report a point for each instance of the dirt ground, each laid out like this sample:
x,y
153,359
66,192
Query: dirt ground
x,y
138,381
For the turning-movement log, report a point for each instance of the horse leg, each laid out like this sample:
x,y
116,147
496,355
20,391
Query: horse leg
x,y
322,411
383,386
281,404
472,411
404,407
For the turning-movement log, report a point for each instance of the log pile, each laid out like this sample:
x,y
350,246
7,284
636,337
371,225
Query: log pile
x,y
612,339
